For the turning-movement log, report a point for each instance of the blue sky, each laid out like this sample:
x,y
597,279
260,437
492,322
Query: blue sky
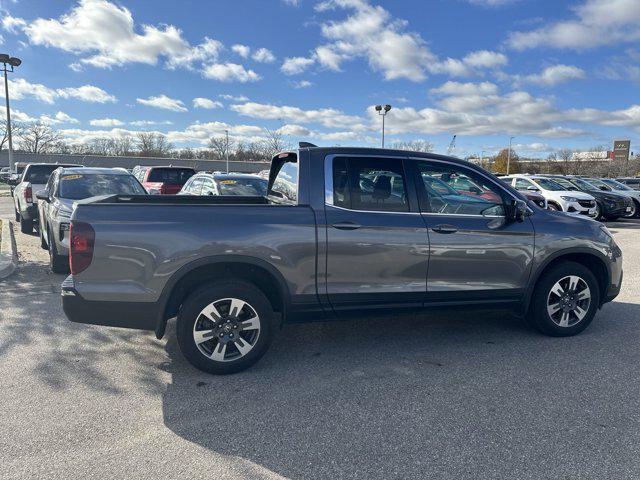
x,y
551,73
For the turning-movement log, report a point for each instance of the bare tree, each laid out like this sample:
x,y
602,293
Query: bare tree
x,y
40,138
17,130
565,155
414,146
274,143
151,144
219,147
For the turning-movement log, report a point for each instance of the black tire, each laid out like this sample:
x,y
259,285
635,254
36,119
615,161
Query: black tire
x,y
43,242
554,207
598,216
26,226
17,216
57,263
190,313
637,204
538,315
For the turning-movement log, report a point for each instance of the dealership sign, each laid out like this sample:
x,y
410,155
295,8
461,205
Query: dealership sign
x,y
621,149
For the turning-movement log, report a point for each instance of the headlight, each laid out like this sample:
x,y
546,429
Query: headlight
x,y
569,199
606,231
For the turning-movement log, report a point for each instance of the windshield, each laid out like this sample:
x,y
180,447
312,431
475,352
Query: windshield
x,y
39,174
253,187
565,183
173,176
79,186
599,183
584,185
435,185
615,184
550,185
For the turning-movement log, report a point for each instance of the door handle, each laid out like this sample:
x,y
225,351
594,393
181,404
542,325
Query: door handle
x,y
346,225
444,229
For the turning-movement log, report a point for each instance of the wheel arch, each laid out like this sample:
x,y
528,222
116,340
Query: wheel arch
x,y
251,269
595,261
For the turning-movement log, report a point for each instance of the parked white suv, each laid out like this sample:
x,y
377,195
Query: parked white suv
x,y
34,178
558,198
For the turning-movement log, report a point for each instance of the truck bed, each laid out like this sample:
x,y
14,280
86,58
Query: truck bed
x,y
177,200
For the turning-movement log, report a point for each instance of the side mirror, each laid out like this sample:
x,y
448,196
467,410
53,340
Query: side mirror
x,y
533,188
43,195
516,211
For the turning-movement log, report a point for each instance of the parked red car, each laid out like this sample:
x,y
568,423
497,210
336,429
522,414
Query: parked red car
x,y
163,180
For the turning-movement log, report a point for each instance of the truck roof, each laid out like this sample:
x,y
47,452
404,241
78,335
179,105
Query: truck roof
x,y
96,170
380,152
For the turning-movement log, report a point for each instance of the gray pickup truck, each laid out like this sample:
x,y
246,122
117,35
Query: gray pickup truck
x,y
341,232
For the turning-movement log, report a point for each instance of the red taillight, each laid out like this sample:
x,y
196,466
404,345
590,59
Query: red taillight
x,y
28,195
81,240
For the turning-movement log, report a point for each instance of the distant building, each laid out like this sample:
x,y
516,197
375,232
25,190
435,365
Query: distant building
x,y
597,156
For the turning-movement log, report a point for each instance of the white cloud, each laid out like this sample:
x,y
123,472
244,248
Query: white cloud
x,y
164,102
241,50
229,72
106,122
595,23
87,93
235,98
12,24
200,102
492,3
294,130
470,64
302,84
148,123
263,55
59,117
479,109
296,65
555,75
327,117
21,88
293,3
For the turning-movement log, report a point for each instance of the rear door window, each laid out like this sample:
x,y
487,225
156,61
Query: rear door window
x,y
39,174
171,176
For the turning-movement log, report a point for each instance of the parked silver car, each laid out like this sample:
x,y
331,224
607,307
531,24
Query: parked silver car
x,y
55,204
34,178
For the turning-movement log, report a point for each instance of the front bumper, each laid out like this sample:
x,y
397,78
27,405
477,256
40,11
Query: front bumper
x,y
136,315
585,208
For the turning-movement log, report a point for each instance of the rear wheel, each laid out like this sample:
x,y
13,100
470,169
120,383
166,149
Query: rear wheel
x,y
57,263
26,226
225,327
565,300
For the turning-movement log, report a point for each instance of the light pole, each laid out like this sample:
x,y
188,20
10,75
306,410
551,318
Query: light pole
x,y
12,62
226,149
383,110
509,154
482,158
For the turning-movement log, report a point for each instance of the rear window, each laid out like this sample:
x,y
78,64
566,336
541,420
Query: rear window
x,y
242,186
172,176
285,184
76,186
39,174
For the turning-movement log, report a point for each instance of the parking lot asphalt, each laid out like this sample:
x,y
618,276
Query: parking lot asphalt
x,y
446,395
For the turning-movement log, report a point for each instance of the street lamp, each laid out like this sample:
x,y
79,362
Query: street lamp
x,y
11,62
226,149
509,154
383,110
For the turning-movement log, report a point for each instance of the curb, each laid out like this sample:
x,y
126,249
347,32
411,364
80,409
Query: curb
x,y
8,253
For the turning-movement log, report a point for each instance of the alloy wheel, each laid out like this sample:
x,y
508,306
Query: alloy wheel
x,y
226,329
568,301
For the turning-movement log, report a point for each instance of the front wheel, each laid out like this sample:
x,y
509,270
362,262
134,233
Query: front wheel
x,y
225,327
554,207
598,214
565,300
57,263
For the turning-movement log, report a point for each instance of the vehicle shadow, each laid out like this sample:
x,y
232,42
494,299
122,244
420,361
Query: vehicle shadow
x,y
456,395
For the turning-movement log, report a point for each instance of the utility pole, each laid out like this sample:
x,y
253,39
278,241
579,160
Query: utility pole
x,y
226,149
509,154
12,62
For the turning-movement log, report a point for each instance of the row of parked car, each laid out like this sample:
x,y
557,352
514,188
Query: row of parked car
x,y
599,198
44,194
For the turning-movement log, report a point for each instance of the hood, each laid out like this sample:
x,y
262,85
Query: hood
x,y
574,194
612,197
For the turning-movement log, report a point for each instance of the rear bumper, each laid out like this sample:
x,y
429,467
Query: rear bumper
x,y
137,315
